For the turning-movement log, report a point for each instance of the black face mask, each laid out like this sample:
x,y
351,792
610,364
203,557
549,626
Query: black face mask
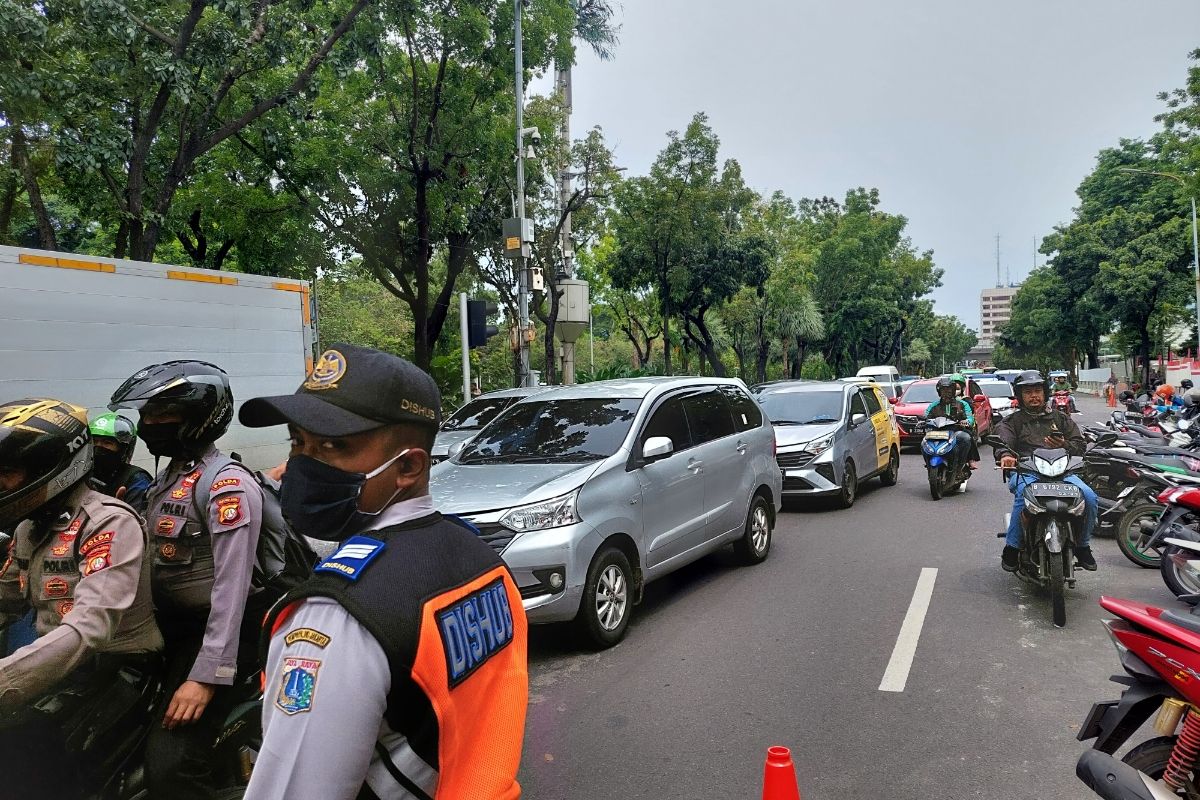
x,y
106,465
162,439
321,502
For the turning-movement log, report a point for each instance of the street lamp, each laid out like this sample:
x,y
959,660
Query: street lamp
x,y
1195,237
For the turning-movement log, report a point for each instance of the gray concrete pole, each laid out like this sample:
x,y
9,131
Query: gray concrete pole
x,y
563,81
1196,267
464,330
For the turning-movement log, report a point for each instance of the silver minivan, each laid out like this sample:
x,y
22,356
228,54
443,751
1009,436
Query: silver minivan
x,y
589,492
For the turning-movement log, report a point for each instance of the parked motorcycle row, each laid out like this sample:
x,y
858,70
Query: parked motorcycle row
x,y
1144,464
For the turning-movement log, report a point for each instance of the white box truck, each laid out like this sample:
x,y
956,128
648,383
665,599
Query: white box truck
x,y
73,327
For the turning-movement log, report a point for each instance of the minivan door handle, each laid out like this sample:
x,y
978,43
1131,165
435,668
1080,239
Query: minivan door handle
x,y
695,466
741,447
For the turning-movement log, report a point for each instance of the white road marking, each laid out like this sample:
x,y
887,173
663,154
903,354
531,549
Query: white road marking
x,y
896,675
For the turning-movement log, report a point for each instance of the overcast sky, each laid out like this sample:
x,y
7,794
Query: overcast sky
x,y
972,119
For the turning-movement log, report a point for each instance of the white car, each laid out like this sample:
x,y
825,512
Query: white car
x,y
1000,396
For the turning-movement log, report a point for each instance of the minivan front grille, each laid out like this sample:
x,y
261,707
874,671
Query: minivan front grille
x,y
496,535
794,459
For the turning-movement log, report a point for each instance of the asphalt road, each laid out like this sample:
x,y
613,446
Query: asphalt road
x,y
723,661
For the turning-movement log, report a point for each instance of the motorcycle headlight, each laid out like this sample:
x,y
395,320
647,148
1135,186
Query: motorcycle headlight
x,y
553,513
1051,469
818,446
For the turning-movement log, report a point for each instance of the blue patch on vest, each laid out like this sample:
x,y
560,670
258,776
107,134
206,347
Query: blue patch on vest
x,y
462,523
474,629
352,557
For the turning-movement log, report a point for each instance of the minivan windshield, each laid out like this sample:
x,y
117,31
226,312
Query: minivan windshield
x,y
996,388
802,408
477,413
550,431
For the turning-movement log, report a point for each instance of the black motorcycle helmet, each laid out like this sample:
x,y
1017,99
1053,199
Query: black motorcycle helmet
x,y
45,451
947,390
196,390
1029,379
1185,384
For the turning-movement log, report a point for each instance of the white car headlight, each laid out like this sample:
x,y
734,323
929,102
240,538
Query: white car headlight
x,y
1051,469
553,513
818,446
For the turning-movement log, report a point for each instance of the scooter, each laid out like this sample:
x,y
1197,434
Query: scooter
x,y
938,449
1160,651
1174,534
1051,524
1061,401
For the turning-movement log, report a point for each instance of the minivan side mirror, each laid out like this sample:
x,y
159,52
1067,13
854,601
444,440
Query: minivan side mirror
x,y
893,400
980,398
857,419
657,447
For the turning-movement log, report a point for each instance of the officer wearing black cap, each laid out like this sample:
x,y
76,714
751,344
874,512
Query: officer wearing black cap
x,y
398,670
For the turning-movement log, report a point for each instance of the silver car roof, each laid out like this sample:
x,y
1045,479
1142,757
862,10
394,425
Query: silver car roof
x,y
637,388
790,387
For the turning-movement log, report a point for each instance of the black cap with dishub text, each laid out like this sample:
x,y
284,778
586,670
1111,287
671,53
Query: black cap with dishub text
x,y
352,390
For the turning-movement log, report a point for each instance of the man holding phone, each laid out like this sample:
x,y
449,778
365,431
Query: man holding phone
x,y
1033,427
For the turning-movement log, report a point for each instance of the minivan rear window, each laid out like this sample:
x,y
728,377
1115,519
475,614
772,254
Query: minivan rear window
x,y
550,431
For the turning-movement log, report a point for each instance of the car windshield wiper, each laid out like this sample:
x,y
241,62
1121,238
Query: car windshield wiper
x,y
532,458
786,422
818,420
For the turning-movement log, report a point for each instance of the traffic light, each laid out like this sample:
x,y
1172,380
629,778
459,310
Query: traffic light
x,y
478,330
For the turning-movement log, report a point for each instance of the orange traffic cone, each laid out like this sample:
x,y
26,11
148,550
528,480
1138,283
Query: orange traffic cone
x,y
779,776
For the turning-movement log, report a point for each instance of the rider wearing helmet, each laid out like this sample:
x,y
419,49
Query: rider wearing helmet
x,y
1033,427
203,564
951,406
114,438
78,559
1060,382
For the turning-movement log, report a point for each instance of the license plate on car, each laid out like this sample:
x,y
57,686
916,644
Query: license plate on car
x,y
1056,489
938,435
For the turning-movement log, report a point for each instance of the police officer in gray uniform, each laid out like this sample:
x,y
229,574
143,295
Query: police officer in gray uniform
x,y
79,560
204,559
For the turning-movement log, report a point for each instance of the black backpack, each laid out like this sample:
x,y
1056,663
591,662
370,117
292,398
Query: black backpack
x,y
284,558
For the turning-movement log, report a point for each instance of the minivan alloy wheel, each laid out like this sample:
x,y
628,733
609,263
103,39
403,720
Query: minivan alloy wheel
x,y
612,597
760,529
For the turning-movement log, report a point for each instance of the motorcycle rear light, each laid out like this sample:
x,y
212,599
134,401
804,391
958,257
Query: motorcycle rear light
x,y
1114,627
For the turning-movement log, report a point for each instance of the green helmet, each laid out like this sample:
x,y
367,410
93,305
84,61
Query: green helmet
x,y
115,426
958,378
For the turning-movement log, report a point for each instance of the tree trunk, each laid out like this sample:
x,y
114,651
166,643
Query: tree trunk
x,y
46,237
1144,351
666,327
8,197
740,353
764,355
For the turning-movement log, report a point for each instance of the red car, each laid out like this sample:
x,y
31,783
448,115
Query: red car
x,y
910,409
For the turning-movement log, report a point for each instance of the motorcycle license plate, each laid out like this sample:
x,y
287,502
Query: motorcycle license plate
x,y
1126,491
938,435
1055,489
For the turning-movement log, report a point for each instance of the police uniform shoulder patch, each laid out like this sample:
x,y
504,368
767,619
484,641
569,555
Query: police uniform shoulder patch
x,y
229,511
307,635
225,483
98,559
94,541
352,557
475,628
297,685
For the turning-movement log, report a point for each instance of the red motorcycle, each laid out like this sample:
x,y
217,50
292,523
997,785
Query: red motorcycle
x,y
1061,401
1160,651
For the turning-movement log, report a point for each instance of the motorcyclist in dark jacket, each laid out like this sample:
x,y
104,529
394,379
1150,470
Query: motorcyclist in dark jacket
x,y
1033,427
951,406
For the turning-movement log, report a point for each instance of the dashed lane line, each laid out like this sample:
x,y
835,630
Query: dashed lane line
x,y
895,677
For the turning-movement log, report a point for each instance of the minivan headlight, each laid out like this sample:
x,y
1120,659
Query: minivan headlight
x,y
818,446
553,513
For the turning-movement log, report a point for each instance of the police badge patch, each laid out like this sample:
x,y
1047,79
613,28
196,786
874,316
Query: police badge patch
x,y
297,685
229,511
